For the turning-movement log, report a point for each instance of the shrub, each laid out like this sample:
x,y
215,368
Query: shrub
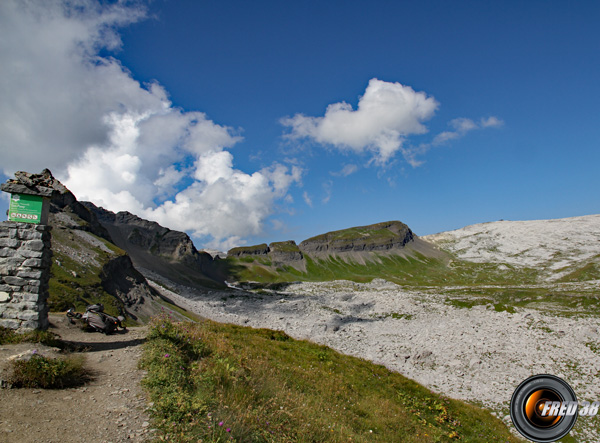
x,y
43,372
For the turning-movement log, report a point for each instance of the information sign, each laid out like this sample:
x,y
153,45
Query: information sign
x,y
25,208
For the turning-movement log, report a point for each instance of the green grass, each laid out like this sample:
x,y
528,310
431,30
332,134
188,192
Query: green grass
x,y
562,301
85,287
589,271
416,270
10,336
48,373
67,291
284,246
213,382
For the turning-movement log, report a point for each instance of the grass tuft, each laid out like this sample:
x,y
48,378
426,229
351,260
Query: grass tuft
x,y
10,336
48,373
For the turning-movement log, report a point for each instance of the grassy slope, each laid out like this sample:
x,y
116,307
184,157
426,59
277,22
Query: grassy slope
x,y
214,382
84,288
417,270
377,231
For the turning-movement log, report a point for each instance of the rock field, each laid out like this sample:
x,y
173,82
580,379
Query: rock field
x,y
476,354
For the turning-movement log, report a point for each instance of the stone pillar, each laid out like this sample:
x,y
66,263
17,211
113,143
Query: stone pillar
x,y
25,260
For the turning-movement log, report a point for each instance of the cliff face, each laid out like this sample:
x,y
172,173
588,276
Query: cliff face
x,y
335,255
159,249
244,251
378,237
285,252
88,268
278,252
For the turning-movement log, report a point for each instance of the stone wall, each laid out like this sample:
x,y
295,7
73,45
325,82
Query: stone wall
x,y
25,260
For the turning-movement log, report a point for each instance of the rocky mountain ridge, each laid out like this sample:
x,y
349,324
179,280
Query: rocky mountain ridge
x,y
377,237
161,250
333,254
87,267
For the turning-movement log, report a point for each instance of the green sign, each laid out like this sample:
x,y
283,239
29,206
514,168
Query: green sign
x,y
25,208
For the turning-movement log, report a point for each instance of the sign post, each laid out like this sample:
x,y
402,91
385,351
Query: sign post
x,y
30,196
28,209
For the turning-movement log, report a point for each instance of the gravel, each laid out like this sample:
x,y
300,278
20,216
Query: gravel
x,y
478,354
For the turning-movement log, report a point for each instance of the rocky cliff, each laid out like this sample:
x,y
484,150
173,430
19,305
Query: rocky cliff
x,y
378,237
87,267
242,251
285,252
161,250
354,253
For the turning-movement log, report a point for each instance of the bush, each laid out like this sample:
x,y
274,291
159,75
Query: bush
x,y
43,372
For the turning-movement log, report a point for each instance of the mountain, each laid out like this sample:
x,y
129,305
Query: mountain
x,y
383,250
87,267
163,251
560,250
100,254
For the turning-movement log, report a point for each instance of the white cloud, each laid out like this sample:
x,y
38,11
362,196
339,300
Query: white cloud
x,y
327,189
345,171
113,141
387,113
491,122
307,199
462,126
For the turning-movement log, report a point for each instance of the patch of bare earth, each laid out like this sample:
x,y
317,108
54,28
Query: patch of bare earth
x,y
109,408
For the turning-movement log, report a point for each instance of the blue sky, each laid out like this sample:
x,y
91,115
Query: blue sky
x,y
470,111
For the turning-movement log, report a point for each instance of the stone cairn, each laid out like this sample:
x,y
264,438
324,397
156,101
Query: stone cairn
x,y
25,260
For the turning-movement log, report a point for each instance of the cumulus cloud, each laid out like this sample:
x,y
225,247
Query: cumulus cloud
x,y
386,114
115,142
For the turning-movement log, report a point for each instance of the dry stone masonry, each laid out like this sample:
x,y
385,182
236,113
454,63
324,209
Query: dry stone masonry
x,y
25,259
25,252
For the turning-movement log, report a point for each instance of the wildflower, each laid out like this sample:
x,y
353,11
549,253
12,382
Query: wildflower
x,y
228,430
167,355
220,423
34,351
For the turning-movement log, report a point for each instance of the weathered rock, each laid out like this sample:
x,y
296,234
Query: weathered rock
x,y
242,251
378,237
28,183
159,249
285,252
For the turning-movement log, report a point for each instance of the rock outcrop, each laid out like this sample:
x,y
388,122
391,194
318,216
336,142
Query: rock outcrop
x,y
242,251
378,237
285,252
161,250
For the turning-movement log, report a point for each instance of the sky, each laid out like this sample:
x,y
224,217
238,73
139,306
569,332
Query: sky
x,y
248,122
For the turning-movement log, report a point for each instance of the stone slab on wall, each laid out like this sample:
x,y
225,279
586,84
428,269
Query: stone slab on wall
x,y
25,260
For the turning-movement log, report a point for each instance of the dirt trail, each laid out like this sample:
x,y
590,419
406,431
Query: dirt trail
x,y
110,408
